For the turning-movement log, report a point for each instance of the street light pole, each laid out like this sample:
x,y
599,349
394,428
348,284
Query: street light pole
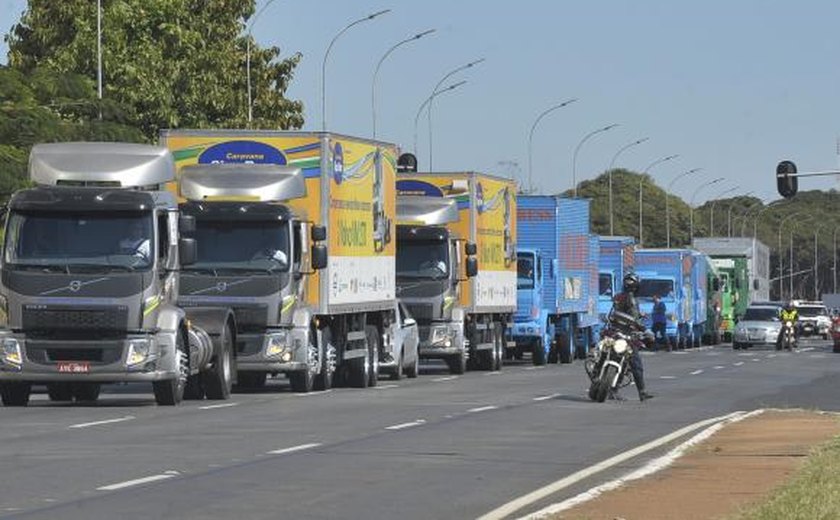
x,y
729,214
834,252
531,138
712,214
577,149
667,205
691,206
248,59
379,65
790,267
780,253
99,55
437,86
426,103
327,54
610,172
641,185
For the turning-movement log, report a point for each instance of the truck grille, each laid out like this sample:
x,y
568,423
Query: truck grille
x,y
48,352
252,318
37,318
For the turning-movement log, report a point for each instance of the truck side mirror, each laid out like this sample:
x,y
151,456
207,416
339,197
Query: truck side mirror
x,y
187,251
186,224
470,248
319,257
319,233
472,266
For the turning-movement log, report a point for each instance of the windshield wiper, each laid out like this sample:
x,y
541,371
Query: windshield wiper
x,y
46,268
101,267
205,270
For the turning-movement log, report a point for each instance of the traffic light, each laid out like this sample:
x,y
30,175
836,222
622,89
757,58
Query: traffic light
x,y
786,181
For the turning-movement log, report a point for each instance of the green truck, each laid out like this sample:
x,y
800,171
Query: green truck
x,y
734,291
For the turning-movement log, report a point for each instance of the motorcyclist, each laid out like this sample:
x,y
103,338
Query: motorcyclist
x,y
626,302
791,314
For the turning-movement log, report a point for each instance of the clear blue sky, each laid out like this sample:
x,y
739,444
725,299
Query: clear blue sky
x,y
731,86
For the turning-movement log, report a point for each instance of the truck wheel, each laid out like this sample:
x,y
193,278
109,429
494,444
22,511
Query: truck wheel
x,y
538,352
60,392
171,391
499,347
218,380
457,363
15,394
194,391
303,381
373,342
564,347
553,356
251,380
86,392
324,380
358,371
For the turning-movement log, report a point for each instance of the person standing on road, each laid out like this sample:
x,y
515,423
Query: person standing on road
x,y
659,321
626,302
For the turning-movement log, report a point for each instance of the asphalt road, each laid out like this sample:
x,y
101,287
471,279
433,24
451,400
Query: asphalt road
x,y
435,447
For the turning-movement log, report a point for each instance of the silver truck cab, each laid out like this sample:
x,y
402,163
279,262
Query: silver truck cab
x,y
89,281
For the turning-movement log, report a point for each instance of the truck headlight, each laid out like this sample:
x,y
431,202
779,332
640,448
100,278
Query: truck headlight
x,y
672,317
277,345
139,351
441,334
12,354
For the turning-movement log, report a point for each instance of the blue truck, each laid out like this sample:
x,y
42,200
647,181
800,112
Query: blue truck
x,y
679,278
556,315
615,259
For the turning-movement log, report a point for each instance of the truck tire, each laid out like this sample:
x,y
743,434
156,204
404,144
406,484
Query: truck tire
x,y
303,381
538,352
324,379
86,392
194,391
373,343
171,391
250,380
15,394
218,379
564,347
358,371
498,347
457,364
553,356
60,392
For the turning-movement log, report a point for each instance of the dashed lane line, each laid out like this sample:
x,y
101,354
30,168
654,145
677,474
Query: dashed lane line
x,y
739,363
697,372
448,378
546,397
310,394
386,387
493,374
482,409
294,449
99,423
403,426
667,377
216,406
139,481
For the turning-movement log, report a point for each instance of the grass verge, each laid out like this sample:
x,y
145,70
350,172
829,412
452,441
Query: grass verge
x,y
812,494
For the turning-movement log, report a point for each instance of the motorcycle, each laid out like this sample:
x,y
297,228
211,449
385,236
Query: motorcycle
x,y
608,363
788,332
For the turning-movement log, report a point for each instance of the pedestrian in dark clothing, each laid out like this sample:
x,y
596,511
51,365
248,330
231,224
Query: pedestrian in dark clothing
x,y
658,322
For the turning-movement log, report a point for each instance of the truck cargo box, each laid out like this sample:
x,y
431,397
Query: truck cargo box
x,y
350,185
615,259
757,256
487,210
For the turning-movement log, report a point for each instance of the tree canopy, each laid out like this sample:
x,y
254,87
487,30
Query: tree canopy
x,y
173,63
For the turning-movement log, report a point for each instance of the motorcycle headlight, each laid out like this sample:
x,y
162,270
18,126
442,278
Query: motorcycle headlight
x,y
12,354
277,345
139,350
620,346
788,324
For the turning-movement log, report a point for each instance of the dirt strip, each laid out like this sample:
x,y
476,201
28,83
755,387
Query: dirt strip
x,y
739,465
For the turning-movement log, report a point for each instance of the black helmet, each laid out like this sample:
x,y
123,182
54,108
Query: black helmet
x,y
631,283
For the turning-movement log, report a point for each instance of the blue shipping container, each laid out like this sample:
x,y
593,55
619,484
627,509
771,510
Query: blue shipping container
x,y
615,259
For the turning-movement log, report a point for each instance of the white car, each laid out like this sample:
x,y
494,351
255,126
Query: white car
x,y
813,319
759,326
400,357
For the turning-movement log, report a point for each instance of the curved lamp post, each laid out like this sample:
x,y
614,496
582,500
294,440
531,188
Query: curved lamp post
x,y
729,213
531,137
432,97
641,192
714,201
691,205
667,205
610,172
248,60
327,54
379,65
426,103
577,149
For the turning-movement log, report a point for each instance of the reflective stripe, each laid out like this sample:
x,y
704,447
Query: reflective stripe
x,y
151,304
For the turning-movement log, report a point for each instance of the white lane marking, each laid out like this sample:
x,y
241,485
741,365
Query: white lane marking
x,y
403,426
448,378
493,374
719,367
680,352
697,372
546,397
309,394
294,449
481,409
515,505
533,368
648,469
806,349
138,481
739,363
756,359
744,354
215,406
816,356
386,387
771,356
97,423
667,377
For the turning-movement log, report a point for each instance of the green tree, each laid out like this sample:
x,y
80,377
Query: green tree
x,y
174,63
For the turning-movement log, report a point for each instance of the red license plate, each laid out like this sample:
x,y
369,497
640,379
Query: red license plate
x,y
73,367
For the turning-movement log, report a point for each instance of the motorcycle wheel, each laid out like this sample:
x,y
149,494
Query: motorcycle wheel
x,y
604,384
593,390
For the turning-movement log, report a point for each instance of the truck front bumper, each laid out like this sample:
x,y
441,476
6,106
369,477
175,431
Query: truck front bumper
x,y
525,332
135,358
440,340
275,351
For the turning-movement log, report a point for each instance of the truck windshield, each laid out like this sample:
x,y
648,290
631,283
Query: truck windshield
x,y
70,240
242,246
605,284
812,311
525,271
648,288
423,259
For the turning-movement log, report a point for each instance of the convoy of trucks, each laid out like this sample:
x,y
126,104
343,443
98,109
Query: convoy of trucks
x,y
225,256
